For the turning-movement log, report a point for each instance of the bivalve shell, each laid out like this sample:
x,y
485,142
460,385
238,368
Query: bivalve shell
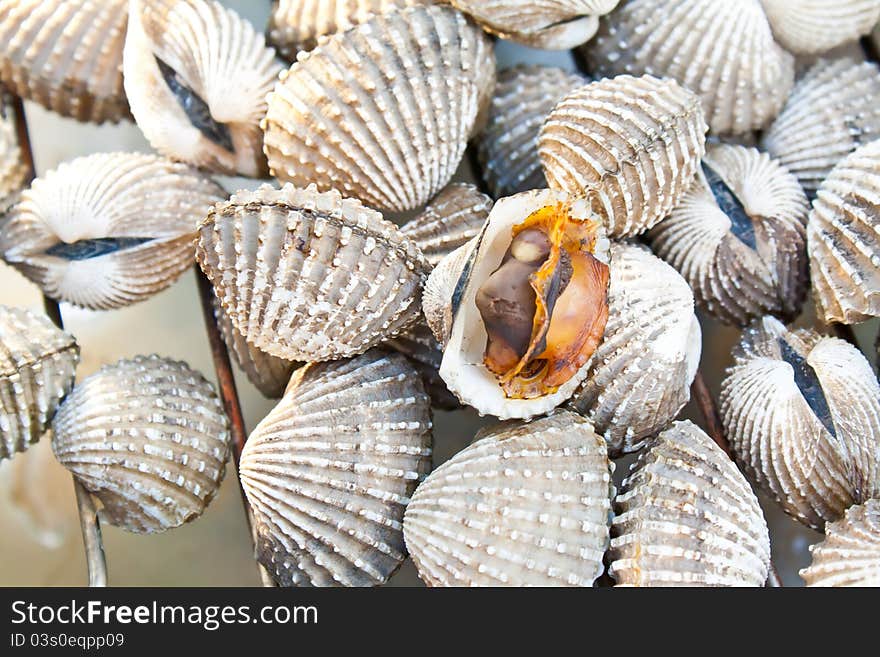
x,y
843,239
722,50
814,26
685,516
149,438
524,505
850,553
66,56
37,365
632,143
13,172
383,111
197,76
110,229
425,353
739,237
331,469
802,413
833,109
308,276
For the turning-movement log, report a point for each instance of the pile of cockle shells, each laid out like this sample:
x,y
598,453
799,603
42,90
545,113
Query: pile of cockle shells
x,y
689,171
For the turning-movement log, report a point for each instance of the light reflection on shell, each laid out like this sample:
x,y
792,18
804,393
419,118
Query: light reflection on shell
x,y
850,553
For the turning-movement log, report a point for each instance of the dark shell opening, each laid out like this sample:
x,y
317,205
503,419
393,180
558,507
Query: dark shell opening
x,y
808,383
93,248
741,224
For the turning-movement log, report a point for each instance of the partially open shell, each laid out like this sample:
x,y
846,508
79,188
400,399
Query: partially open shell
x,y
802,413
197,76
633,143
110,229
508,147
525,505
833,109
814,26
37,365
843,239
641,373
383,111
722,50
738,236
148,436
307,276
685,516
850,553
13,172
66,56
331,469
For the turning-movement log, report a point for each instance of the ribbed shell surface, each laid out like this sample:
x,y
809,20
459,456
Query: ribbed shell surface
x,y
641,373
424,352
632,144
37,365
66,56
508,147
833,110
843,239
149,438
330,470
814,26
383,111
722,49
685,516
307,276
12,169
527,504
110,229
802,413
850,553
738,237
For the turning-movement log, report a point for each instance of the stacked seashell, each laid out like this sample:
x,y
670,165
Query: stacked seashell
x,y
815,26
850,553
13,172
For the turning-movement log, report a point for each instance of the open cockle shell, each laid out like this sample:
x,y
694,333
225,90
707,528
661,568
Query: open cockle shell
x,y
850,553
66,56
330,470
450,305
110,229
833,109
197,76
527,504
37,365
149,438
738,236
633,143
843,239
508,147
721,49
802,413
383,111
685,516
814,26
308,276
641,373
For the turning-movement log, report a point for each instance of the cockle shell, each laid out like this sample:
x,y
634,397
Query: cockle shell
x,y
149,438
850,553
37,365
13,172
524,505
66,56
738,236
685,516
843,240
508,147
425,353
833,109
551,24
802,413
308,276
268,373
641,373
814,26
451,219
633,143
383,111
330,470
109,229
197,76
723,50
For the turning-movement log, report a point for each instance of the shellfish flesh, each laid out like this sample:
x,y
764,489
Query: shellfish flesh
x,y
814,26
850,553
